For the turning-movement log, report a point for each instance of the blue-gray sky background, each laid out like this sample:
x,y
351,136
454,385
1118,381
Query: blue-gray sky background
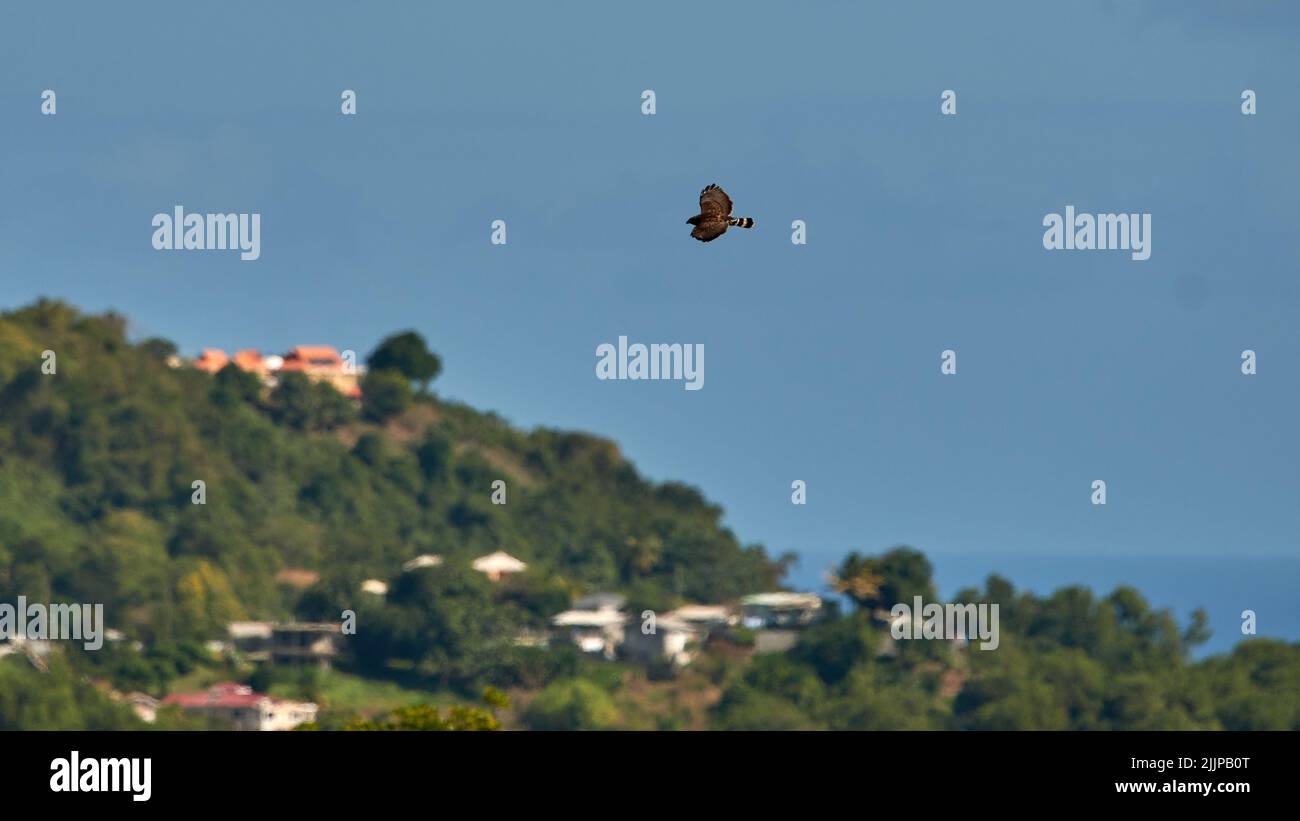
x,y
822,361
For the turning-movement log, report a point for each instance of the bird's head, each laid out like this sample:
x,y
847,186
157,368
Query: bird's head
x,y
693,221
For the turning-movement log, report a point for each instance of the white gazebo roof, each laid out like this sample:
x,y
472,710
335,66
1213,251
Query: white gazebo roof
x,y
498,562
249,629
702,612
423,560
782,600
588,618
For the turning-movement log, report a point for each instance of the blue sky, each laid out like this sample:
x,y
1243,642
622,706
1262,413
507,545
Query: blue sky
x,y
924,233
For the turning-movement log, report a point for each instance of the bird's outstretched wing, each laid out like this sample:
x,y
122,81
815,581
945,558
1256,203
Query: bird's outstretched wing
x,y
706,231
714,203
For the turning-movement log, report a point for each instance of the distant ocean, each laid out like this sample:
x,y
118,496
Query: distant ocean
x,y
1222,586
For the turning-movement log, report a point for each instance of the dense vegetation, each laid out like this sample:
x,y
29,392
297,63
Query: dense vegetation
x,y
99,460
1068,661
98,464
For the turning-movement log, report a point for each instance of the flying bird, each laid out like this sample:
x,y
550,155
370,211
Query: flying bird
x,y
715,215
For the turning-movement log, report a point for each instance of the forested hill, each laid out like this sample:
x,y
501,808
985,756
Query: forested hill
x,y
98,461
307,495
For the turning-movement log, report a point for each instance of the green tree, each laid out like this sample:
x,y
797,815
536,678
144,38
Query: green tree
x,y
880,582
427,718
407,354
304,405
232,385
576,704
58,699
384,394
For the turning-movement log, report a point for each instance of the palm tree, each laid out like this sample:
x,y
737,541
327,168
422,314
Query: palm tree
x,y
858,577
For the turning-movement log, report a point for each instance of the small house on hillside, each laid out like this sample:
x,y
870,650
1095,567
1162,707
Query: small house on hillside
x,y
293,644
498,565
601,601
251,639
375,587
668,638
598,632
780,609
245,709
304,644
423,560
705,617
778,617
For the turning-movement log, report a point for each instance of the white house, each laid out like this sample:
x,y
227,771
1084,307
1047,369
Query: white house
x,y
251,639
601,601
672,639
780,609
245,709
704,616
598,632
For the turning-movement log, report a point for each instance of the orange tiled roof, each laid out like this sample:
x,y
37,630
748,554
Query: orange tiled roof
x,y
303,357
211,360
249,360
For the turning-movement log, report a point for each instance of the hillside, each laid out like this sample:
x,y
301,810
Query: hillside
x,y
98,461
306,495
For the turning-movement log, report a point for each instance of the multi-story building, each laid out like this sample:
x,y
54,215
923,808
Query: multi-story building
x,y
322,363
319,363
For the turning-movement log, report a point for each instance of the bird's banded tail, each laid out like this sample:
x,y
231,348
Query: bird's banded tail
x,y
743,222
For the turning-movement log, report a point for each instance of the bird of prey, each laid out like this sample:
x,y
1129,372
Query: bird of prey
x,y
715,215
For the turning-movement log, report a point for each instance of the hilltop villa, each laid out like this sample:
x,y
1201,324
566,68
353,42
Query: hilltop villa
x,y
319,363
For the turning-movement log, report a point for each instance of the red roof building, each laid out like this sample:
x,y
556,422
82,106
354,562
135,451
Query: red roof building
x,y
243,708
319,363
251,361
322,363
211,360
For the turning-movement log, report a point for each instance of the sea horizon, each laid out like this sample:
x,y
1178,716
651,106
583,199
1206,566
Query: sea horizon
x,y
1223,586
